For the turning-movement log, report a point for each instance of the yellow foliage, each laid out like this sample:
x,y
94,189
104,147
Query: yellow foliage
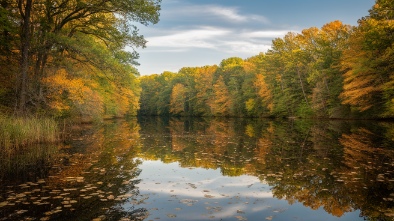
x,y
65,93
249,130
249,104
222,102
263,91
178,98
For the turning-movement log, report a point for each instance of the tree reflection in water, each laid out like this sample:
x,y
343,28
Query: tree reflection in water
x,y
339,166
91,177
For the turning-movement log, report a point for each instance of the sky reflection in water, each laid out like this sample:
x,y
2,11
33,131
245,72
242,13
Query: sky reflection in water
x,y
199,169
176,193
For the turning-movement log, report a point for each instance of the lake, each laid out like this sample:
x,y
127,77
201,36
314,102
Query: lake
x,y
205,169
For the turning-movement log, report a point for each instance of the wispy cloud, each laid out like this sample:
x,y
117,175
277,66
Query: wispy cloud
x,y
213,27
201,37
227,13
212,12
192,31
245,47
232,14
227,40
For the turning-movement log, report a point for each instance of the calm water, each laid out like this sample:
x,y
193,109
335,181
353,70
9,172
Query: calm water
x,y
206,169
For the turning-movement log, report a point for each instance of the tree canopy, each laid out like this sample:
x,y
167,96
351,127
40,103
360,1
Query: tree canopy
x,y
71,55
336,71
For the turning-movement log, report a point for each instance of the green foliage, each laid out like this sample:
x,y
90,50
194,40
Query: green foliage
x,y
85,41
336,71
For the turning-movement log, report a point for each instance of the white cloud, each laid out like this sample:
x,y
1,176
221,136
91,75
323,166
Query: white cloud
x,y
225,12
231,41
203,37
245,47
207,32
212,12
180,187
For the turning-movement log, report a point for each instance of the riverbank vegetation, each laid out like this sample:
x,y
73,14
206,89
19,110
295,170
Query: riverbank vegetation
x,y
69,58
16,133
73,63
336,71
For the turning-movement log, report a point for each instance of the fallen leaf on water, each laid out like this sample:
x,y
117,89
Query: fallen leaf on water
x,y
241,218
171,215
208,196
3,204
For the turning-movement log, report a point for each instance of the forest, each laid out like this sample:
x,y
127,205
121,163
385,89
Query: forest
x,y
71,58
78,59
336,71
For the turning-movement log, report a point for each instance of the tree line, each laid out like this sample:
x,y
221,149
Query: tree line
x,y
68,58
72,58
336,71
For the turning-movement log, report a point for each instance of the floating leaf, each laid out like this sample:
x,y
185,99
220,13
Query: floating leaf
x,y
171,215
241,218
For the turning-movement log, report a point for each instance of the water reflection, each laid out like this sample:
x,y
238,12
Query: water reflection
x,y
337,166
91,177
206,169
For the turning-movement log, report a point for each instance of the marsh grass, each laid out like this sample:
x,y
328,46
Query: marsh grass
x,y
16,133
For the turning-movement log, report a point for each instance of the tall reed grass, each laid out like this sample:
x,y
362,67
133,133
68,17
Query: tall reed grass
x,y
18,132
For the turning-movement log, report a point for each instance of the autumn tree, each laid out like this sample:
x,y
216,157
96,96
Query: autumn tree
x,y
60,34
325,46
232,72
368,79
257,91
336,71
204,90
222,103
178,98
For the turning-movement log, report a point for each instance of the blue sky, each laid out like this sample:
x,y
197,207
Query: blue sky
x,y
194,33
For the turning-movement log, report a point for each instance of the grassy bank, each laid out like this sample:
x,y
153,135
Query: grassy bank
x,y
18,132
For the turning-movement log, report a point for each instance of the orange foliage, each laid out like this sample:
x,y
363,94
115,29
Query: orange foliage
x,y
221,104
178,97
65,93
263,91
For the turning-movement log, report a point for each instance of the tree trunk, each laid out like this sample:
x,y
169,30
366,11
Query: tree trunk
x,y
302,86
25,11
